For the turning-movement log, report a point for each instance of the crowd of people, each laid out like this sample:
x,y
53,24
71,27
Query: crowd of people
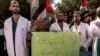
x,y
17,31
86,25
59,24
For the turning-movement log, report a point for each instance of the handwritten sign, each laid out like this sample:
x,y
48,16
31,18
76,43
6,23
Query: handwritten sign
x,y
55,44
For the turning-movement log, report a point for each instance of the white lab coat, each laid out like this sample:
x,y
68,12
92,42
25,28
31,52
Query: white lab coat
x,y
85,34
20,36
56,27
95,30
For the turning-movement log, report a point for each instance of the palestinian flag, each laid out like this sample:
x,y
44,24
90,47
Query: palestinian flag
x,y
44,10
84,7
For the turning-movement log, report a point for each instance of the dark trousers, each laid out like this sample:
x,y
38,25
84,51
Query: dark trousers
x,y
5,53
30,51
1,46
90,49
2,51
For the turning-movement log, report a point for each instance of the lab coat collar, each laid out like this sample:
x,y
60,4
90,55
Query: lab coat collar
x,y
57,25
79,24
20,18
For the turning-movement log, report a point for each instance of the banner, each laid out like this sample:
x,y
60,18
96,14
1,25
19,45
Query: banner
x,y
55,44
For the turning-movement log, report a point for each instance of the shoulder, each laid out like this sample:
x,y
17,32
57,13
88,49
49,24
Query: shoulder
x,y
7,20
53,24
24,19
84,24
93,22
66,24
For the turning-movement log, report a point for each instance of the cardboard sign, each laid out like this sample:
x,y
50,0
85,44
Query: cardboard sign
x,y
55,44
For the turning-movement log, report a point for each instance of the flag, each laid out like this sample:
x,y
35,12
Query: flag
x,y
49,8
84,7
39,10
34,6
44,10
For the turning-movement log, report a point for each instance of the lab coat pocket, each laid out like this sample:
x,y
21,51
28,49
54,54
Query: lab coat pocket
x,y
23,30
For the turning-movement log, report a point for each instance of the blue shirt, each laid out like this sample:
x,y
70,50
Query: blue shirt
x,y
14,25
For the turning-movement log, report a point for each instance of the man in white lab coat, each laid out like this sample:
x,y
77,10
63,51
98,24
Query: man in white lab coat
x,y
16,29
60,25
83,29
95,29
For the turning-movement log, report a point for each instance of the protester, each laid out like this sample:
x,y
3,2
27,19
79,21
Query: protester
x,y
16,29
95,30
83,30
87,18
49,22
40,25
60,25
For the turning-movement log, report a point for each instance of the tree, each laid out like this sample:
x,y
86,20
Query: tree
x,y
5,13
67,5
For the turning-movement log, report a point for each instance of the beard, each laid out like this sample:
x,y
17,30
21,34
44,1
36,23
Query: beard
x,y
60,20
16,12
76,20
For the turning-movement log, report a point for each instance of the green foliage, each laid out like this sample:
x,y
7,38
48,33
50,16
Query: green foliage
x,y
67,5
4,6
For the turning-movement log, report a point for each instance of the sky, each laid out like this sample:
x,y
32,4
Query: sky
x,y
56,1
